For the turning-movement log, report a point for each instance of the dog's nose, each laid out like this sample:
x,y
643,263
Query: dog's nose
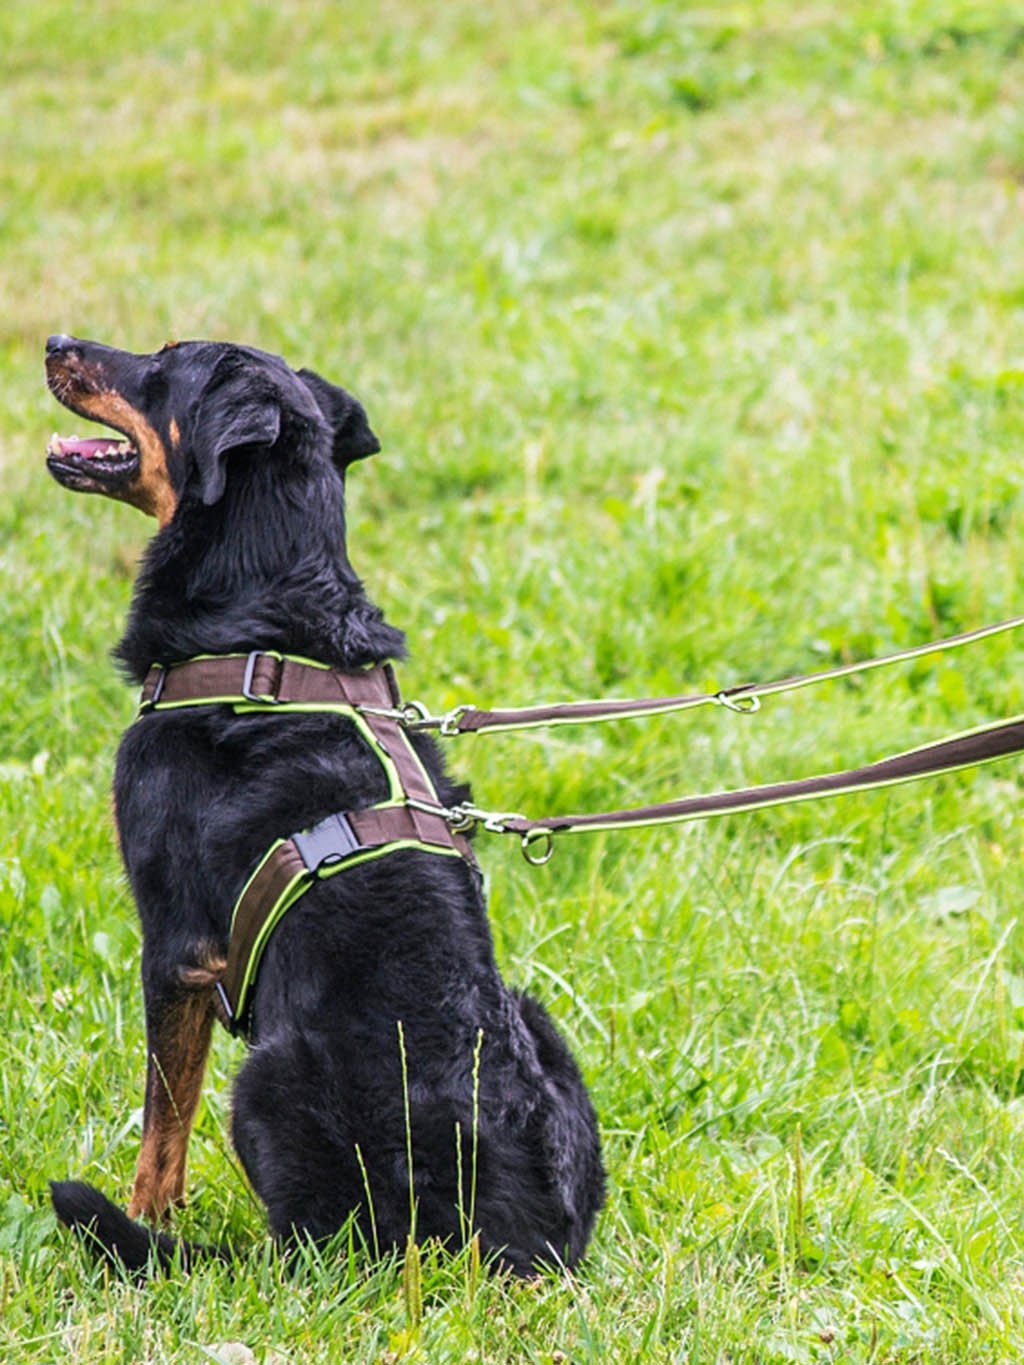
x,y
59,342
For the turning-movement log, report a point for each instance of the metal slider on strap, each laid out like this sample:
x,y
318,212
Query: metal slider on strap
x,y
148,703
267,698
224,1008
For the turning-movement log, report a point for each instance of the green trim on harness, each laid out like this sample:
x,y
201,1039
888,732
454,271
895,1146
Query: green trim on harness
x,y
293,891
411,817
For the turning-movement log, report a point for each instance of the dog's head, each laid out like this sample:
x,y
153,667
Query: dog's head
x,y
185,412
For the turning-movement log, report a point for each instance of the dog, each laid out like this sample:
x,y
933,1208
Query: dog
x,y
381,1029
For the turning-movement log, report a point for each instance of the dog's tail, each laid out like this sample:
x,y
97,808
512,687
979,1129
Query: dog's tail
x,y
127,1245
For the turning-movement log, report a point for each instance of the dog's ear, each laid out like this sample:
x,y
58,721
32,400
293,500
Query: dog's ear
x,y
231,417
346,417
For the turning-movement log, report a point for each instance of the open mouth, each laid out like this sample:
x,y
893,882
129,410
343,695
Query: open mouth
x,y
87,464
91,464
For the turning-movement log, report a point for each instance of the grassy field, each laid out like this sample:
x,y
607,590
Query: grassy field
x,y
695,340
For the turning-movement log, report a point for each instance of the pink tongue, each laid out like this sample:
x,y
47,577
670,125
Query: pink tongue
x,y
88,447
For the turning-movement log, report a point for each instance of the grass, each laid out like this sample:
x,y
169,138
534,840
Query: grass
x,y
695,339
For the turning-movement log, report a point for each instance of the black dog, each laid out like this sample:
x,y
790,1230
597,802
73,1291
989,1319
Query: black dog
x,y
379,1017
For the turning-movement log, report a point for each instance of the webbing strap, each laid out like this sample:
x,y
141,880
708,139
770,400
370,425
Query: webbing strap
x,y
287,871
265,678
411,817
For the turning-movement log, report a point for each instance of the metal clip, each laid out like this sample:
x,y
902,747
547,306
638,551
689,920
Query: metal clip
x,y
413,715
463,817
449,725
744,705
466,815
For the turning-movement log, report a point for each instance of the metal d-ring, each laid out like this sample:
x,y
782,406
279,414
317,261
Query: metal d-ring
x,y
414,715
546,839
461,819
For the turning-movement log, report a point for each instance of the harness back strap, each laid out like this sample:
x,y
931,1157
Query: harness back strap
x,y
265,678
412,816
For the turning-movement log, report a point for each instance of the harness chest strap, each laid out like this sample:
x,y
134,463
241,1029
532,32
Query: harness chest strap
x,y
411,817
291,866
268,681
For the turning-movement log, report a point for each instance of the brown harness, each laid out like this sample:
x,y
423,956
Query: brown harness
x,y
412,816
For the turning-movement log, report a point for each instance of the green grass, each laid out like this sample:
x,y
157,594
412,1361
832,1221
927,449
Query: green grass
x,y
695,340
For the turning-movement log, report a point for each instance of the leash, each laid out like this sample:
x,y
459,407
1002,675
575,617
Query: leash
x,y
971,748
967,750
745,698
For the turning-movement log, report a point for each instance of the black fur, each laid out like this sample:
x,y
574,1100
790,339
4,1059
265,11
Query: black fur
x,y
254,556
125,1244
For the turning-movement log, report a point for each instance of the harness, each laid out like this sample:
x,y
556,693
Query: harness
x,y
412,815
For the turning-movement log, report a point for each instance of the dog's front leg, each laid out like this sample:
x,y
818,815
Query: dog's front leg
x,y
179,1021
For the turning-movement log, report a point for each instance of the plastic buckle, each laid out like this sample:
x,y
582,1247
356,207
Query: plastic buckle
x,y
266,698
326,844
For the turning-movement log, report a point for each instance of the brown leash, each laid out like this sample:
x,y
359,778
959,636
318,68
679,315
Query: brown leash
x,y
468,719
967,750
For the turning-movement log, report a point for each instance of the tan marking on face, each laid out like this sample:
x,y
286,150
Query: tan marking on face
x,y
151,490
175,434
